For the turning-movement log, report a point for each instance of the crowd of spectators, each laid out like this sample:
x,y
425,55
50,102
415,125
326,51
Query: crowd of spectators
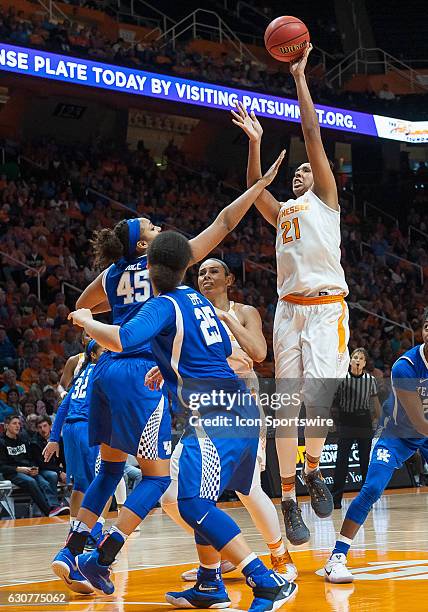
x,y
229,68
47,222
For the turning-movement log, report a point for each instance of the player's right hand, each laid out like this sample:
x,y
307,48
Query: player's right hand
x,y
153,379
51,448
248,123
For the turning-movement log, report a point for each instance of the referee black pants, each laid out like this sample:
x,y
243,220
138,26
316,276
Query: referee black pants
x,y
347,437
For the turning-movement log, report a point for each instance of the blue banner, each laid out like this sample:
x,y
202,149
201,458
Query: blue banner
x,y
80,71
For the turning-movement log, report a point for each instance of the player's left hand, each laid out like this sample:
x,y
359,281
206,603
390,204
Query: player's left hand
x,y
80,316
153,379
297,67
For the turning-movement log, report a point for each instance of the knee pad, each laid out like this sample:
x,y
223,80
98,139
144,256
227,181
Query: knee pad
x,y
376,481
146,495
103,486
211,525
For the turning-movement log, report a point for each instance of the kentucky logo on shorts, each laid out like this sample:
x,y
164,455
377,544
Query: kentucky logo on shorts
x,y
383,454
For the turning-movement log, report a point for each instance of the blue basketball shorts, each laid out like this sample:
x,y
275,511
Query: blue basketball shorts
x,y
124,413
395,451
80,458
212,458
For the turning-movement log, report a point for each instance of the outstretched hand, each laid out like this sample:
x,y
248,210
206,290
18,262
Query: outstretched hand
x,y
269,176
247,122
297,67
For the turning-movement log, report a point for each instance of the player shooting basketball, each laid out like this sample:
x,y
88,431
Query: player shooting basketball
x,y
311,322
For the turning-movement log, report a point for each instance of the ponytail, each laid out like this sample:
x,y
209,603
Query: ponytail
x,y
110,245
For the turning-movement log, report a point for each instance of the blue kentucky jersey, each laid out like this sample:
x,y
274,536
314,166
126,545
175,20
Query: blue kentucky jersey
x,y
189,343
75,405
409,373
128,287
79,394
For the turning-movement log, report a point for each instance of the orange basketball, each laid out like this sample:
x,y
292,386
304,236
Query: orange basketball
x,y
286,38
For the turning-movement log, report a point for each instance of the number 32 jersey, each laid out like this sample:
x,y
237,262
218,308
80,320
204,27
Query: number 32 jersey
x,y
308,248
127,287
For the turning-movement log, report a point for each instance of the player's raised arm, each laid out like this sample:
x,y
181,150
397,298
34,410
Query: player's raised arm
x,y
230,216
94,296
266,204
324,183
250,334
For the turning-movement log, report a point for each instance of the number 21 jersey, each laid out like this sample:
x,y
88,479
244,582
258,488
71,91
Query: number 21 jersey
x,y
308,248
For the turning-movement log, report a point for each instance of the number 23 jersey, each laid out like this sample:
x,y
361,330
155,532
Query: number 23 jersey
x,y
308,248
127,287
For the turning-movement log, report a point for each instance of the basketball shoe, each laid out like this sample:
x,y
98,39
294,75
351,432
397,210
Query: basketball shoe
x,y
335,570
65,567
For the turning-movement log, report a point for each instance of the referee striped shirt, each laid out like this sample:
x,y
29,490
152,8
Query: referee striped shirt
x,y
354,397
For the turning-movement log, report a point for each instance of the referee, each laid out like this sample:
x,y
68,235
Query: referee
x,y
354,401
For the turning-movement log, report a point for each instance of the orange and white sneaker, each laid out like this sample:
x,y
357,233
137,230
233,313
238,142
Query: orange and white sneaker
x,y
283,564
192,574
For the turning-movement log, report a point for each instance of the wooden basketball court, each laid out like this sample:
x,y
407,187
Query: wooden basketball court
x,y
389,561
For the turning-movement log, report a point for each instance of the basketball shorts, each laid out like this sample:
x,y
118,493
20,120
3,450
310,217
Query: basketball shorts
x,y
124,413
310,345
393,452
209,460
80,458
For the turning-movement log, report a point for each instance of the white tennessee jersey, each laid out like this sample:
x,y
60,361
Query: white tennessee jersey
x,y
239,361
308,248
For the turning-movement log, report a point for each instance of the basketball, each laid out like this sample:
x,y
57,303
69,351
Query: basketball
x,y
286,38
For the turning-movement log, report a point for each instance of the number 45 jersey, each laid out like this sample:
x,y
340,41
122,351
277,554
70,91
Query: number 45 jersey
x,y
127,287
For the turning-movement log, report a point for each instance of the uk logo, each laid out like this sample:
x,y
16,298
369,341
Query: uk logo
x,y
383,454
167,447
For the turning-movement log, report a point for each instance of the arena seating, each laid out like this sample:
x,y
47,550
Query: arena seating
x,y
210,61
34,208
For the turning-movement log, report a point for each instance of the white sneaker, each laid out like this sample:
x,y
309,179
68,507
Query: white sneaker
x,y
191,575
335,570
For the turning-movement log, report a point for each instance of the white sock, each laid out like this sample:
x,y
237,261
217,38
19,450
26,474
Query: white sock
x,y
80,526
115,529
210,565
289,494
72,519
101,520
246,561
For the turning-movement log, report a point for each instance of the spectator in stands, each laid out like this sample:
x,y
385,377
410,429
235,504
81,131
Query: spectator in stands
x,y
5,411
385,93
10,382
31,423
7,350
55,465
31,374
18,465
71,344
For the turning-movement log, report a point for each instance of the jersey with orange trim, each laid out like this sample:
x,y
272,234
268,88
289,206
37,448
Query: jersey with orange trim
x,y
308,248
79,364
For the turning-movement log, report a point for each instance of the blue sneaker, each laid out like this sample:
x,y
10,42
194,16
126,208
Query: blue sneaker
x,y
97,575
94,538
206,594
268,597
64,566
